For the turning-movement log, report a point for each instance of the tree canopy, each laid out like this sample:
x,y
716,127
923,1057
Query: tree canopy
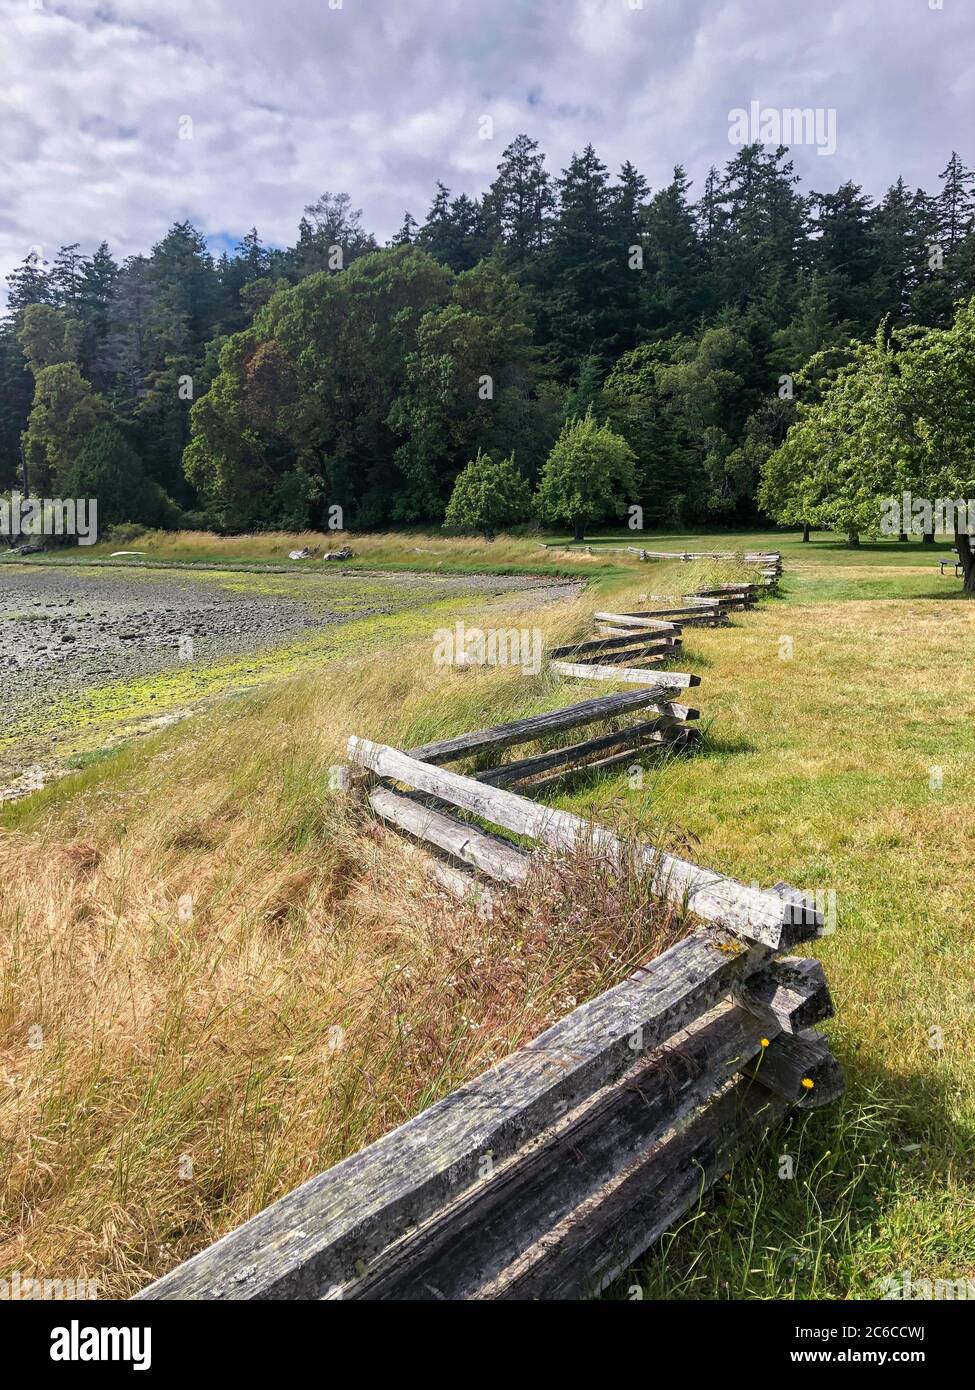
x,y
898,417
256,387
488,495
588,477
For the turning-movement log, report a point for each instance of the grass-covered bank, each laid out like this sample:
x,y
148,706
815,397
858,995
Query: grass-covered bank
x,y
92,654
846,769
217,977
213,1038
396,550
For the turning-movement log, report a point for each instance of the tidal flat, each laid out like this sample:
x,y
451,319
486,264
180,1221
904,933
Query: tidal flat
x,y
89,655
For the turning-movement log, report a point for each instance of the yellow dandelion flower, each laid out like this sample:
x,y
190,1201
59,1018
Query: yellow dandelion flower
x,y
808,1083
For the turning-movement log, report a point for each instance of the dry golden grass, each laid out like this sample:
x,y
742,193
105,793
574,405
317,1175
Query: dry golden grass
x,y
420,548
218,977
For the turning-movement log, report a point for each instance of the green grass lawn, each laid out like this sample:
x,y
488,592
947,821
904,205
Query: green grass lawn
x,y
846,768
822,546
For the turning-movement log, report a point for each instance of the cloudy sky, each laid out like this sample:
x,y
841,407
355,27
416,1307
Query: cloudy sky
x,y
287,98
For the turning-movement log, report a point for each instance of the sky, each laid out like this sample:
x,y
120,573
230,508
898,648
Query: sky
x,y
119,118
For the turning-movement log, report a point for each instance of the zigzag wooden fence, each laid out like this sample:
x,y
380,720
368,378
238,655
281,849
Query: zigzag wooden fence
x,y
549,1174
626,644
768,562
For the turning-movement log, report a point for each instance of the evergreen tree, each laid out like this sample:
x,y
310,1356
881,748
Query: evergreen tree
x,y
898,234
127,352
66,279
628,220
763,227
16,393
845,255
330,237
588,275
708,389
99,278
712,220
956,203
521,200
950,248
812,330
454,231
675,288
672,488
184,296
407,233
29,283
108,469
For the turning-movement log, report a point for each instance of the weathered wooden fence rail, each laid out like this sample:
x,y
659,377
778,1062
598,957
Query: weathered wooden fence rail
x,y
553,1171
767,562
628,643
549,1174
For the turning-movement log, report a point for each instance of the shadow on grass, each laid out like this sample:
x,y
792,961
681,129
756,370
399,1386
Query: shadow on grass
x,y
858,1168
956,596
722,745
687,660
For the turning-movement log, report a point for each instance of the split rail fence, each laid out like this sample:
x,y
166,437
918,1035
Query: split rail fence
x,y
627,644
552,1172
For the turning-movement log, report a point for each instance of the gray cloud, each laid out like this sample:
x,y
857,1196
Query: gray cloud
x,y
382,97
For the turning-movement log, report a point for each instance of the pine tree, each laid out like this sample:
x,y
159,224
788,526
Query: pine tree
x,y
108,469
454,232
627,216
407,233
16,393
956,202
712,219
251,256
845,254
675,286
672,487
185,295
763,227
947,276
67,279
521,200
127,343
812,330
99,278
30,283
898,233
587,265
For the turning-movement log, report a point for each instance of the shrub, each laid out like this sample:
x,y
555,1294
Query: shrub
x,y
589,476
488,495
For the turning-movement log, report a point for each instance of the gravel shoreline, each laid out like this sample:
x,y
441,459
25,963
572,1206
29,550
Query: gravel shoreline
x,y
74,629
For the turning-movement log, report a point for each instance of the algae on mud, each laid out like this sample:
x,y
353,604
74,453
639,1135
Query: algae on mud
x,y
91,656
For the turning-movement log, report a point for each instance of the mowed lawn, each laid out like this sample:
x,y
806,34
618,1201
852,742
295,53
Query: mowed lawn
x,y
841,758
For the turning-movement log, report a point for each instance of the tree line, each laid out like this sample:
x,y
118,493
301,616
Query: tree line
x,y
259,389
